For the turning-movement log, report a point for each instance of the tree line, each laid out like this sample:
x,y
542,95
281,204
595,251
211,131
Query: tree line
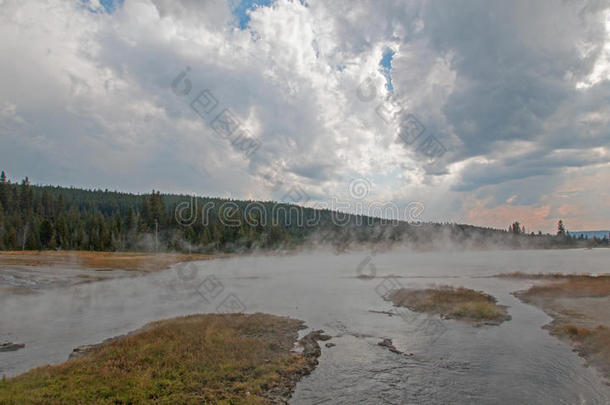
x,y
34,217
562,238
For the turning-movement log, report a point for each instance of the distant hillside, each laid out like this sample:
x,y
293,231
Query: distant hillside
x,y
46,217
591,234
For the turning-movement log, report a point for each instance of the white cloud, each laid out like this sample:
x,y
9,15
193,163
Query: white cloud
x,y
87,96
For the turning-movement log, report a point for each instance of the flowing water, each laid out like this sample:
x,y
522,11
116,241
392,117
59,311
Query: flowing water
x,y
445,362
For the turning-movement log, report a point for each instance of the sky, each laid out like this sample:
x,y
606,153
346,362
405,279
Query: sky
x,y
480,112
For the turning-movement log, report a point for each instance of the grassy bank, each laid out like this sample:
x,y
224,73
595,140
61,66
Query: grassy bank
x,y
99,260
579,305
456,303
551,276
188,360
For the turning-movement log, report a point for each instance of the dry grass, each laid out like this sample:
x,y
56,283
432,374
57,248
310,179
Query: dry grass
x,y
592,344
450,302
189,360
537,276
564,299
99,260
550,276
572,286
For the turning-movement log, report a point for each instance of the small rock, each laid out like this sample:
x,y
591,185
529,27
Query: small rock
x,y
81,351
329,344
319,335
10,346
386,342
388,313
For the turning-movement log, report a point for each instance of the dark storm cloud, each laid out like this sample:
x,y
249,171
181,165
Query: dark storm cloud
x,y
517,64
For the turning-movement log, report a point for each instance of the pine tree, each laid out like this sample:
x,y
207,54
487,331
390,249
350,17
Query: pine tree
x,y
26,197
62,232
60,205
11,242
4,190
145,216
53,242
47,204
561,230
46,233
33,240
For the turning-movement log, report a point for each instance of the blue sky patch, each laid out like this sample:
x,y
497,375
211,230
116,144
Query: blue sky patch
x,y
386,68
241,8
110,6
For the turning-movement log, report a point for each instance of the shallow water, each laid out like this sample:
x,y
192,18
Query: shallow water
x,y
451,362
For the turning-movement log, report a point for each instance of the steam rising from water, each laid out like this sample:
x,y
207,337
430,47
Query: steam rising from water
x,y
516,362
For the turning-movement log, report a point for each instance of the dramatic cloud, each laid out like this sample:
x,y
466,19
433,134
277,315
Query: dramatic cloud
x,y
514,94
